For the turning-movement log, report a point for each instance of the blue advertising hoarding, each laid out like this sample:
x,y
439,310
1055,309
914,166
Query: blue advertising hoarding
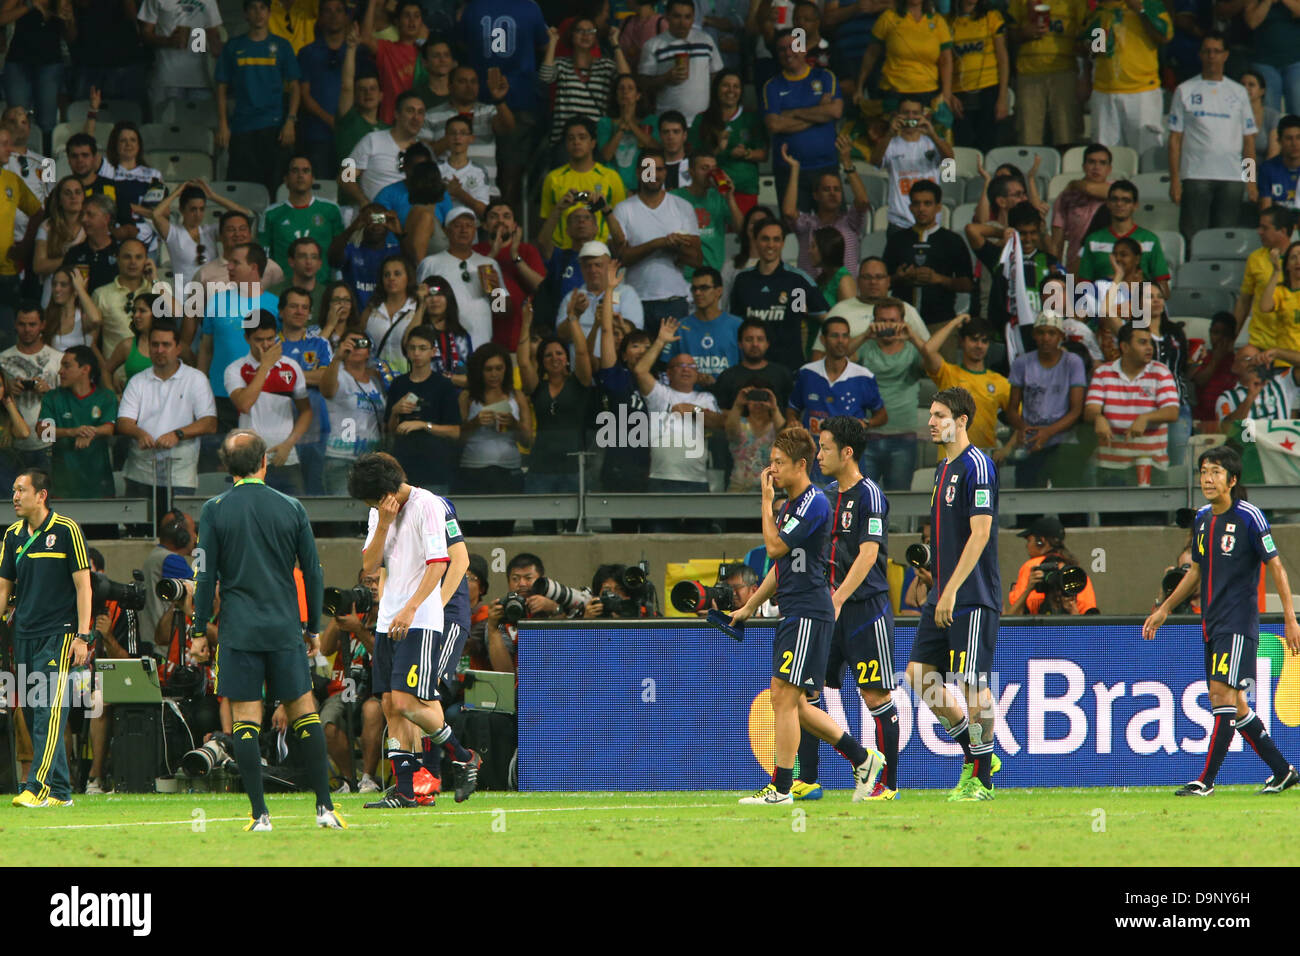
x,y
678,706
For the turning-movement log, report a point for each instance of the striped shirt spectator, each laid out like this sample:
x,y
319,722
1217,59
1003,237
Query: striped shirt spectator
x,y
1131,402
1256,395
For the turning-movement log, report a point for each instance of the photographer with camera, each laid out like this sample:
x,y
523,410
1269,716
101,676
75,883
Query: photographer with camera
x,y
622,592
735,586
117,636
349,641
187,669
170,558
1051,581
532,595
1173,576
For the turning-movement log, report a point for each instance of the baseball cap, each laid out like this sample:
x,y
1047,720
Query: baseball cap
x,y
455,212
593,248
1045,527
1049,320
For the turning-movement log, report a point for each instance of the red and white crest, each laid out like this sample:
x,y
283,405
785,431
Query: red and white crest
x,y
1226,543
50,539
950,494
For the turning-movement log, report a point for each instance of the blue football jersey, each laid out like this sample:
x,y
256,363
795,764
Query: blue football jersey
x,y
861,516
802,589
963,488
457,609
1230,549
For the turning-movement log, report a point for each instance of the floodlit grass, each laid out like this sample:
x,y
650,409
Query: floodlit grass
x,y
1056,827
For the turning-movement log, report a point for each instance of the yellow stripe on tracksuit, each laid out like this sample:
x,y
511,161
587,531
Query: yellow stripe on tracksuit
x,y
52,735
78,542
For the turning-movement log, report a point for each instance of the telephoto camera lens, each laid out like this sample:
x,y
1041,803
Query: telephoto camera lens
x,y
170,590
918,555
200,761
566,597
690,597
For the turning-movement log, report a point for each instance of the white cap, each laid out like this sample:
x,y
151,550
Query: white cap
x,y
455,212
593,248
1049,320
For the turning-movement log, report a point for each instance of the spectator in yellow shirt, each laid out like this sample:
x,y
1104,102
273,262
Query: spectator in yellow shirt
x,y
991,391
981,74
917,46
1276,323
1127,104
295,20
1047,77
1275,226
14,196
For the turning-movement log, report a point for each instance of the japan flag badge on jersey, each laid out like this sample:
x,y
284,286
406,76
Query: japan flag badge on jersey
x,y
49,540
1226,543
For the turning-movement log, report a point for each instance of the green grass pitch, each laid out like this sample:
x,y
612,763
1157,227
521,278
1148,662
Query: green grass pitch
x,y
1057,827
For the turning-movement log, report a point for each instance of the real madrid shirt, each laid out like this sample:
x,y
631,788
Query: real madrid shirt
x,y
965,487
41,562
861,517
1214,117
775,299
1230,548
802,585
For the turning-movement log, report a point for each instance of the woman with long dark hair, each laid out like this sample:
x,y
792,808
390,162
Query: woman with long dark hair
x,y
736,135
497,421
132,354
389,313
625,130
581,82
133,178
338,313
438,310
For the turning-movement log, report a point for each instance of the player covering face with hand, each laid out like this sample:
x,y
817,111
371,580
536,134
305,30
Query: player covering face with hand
x,y
797,540
1231,539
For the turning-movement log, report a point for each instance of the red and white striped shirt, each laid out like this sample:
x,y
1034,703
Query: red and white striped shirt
x,y
1123,399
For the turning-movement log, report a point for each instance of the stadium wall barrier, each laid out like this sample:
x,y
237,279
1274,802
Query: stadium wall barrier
x,y
679,706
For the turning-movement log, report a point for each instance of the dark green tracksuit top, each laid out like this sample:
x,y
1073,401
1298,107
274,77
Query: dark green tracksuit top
x,y
250,537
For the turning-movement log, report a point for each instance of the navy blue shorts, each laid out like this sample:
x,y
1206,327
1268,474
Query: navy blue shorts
x,y
240,674
964,649
414,665
864,639
1230,659
799,652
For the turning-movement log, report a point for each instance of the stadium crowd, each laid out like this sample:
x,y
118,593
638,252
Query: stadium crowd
x,y
745,216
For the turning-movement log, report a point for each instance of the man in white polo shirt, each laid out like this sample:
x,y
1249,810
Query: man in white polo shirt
x,y
268,388
164,409
1211,130
661,235
473,276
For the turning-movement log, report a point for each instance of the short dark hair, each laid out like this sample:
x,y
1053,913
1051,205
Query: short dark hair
x,y
958,401
85,355
191,193
925,186
374,475
164,325
772,222
1094,148
1024,214
230,214
300,242
1129,243
1280,217
81,139
679,3
30,305
999,186
834,320
405,95
256,255
672,116
1290,121
39,478
243,452
975,327
1227,458
303,155
796,443
426,332
462,120
525,559
847,432
1125,333
604,573
709,273
752,324
96,559
1215,35
259,319
1225,319
583,121
1123,185
293,290
478,567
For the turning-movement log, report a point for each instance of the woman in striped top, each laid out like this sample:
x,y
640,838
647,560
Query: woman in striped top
x,y
581,82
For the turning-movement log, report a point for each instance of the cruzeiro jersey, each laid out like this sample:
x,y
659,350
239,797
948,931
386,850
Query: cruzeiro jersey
x,y
861,516
1230,548
458,609
801,586
963,488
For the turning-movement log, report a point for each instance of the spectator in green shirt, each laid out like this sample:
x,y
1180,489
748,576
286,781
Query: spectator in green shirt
x,y
80,416
737,134
359,99
1095,262
713,208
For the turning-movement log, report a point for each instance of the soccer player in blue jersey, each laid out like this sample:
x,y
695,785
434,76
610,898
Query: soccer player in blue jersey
x,y
864,619
958,629
797,540
1232,539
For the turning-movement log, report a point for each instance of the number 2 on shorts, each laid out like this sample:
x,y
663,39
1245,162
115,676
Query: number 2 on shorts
x,y
787,658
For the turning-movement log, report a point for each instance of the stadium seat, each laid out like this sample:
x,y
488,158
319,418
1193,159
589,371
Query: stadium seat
x,y
1208,273
1056,185
1154,160
1152,186
59,138
1224,243
972,189
1174,246
961,217
872,244
321,188
1156,215
1022,157
877,190
172,136
180,165
104,120
767,192
126,111
790,250
252,195
61,165
923,478
1194,327
968,160
1124,161
1200,302
189,113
